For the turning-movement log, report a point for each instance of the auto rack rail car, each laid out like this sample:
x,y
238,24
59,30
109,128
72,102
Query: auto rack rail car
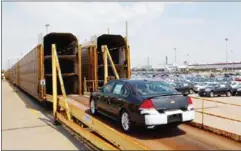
x,y
34,71
92,61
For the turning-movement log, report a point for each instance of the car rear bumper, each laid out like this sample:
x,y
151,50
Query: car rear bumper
x,y
156,118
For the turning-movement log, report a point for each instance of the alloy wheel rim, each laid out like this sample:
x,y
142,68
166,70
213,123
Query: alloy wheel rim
x,y
125,121
92,106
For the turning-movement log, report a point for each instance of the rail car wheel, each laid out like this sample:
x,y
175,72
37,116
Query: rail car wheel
x,y
125,121
93,109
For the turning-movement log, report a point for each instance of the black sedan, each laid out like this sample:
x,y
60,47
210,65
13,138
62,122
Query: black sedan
x,y
214,89
142,103
184,87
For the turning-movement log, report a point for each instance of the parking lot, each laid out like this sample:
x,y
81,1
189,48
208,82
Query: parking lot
x,y
221,113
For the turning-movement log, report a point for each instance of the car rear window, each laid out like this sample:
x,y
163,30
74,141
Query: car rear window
x,y
153,88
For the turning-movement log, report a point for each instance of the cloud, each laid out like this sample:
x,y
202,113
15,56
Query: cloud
x,y
187,21
22,22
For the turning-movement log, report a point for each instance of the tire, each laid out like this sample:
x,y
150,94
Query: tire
x,y
211,94
125,121
93,109
228,94
200,95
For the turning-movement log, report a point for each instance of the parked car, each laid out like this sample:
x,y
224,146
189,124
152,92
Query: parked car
x,y
183,87
142,103
199,86
214,89
238,90
236,86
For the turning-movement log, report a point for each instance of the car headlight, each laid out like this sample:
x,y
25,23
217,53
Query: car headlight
x,y
239,89
207,89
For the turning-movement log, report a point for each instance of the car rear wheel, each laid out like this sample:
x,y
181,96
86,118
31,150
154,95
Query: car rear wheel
x,y
228,94
93,109
125,121
211,94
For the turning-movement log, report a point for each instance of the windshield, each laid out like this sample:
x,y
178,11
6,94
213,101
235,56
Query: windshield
x,y
154,88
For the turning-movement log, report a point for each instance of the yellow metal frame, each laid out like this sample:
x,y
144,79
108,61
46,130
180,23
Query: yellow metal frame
x,y
106,55
56,69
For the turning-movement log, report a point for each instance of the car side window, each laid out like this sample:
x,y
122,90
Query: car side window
x,y
125,92
118,88
108,87
121,89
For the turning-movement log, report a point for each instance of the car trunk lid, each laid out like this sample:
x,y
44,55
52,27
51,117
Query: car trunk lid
x,y
169,102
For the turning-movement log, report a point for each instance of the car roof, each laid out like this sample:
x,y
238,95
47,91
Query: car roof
x,y
135,81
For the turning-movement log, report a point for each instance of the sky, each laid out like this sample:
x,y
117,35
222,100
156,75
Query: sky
x,y
196,29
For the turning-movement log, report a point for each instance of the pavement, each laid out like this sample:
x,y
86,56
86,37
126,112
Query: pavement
x,y
27,126
225,112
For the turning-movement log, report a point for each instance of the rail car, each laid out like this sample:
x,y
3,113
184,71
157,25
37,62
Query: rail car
x,y
33,72
92,61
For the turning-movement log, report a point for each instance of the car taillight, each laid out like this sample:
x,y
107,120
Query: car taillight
x,y
147,104
189,101
190,104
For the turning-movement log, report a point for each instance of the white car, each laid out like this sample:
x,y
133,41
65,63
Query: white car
x,y
200,86
235,84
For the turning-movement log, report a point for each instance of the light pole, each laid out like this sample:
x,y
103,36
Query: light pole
x,y
188,58
232,62
47,25
226,39
175,56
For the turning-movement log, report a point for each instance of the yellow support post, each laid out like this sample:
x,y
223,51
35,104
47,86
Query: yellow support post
x,y
111,61
105,64
85,85
62,84
54,82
